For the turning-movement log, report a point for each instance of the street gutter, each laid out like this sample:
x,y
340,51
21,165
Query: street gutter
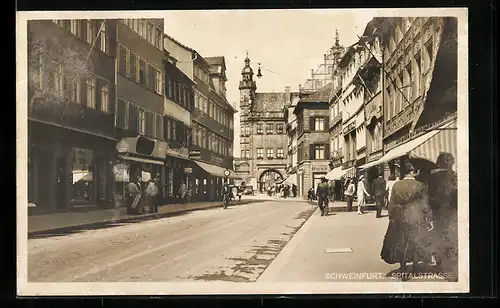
x,y
143,217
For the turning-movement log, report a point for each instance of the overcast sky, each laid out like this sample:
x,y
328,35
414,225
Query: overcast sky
x,y
288,43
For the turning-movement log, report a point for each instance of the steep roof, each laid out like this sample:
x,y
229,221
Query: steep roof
x,y
268,102
320,96
216,60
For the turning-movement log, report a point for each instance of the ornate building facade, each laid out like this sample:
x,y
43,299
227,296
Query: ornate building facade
x,y
263,139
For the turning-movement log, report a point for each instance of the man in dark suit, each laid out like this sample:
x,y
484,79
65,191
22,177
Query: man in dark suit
x,y
379,192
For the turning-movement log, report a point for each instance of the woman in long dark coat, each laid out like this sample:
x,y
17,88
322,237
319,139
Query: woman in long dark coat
x,y
410,220
443,200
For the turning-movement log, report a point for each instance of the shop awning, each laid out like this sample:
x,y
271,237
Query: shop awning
x,y
338,173
424,146
290,180
217,171
141,160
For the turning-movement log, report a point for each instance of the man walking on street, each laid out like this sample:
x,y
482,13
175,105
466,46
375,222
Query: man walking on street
x,y
379,192
349,193
322,195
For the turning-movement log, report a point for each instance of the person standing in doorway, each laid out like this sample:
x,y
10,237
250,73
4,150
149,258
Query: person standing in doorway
x,y
379,192
322,195
183,192
349,193
362,193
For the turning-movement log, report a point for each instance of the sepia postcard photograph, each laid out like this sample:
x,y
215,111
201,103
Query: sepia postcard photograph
x,y
200,152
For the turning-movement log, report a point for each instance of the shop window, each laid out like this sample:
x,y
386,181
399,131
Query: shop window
x,y
82,178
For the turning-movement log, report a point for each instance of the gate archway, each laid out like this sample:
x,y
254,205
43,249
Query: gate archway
x,y
268,178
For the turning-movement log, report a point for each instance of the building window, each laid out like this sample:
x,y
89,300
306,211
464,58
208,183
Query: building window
x,y
428,55
409,82
57,79
150,33
260,153
319,151
132,69
270,129
260,130
90,32
103,43
122,62
169,129
75,91
418,70
319,124
280,153
170,88
142,72
159,39
174,131
159,82
75,29
142,28
104,98
279,128
142,121
91,92
196,100
270,153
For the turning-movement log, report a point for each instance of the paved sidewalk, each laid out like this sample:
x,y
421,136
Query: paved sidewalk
x,y
326,247
50,222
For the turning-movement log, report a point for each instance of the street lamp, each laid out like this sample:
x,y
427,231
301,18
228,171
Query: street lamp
x,y
259,71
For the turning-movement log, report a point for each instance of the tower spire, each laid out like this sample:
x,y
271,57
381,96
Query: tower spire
x,y
337,37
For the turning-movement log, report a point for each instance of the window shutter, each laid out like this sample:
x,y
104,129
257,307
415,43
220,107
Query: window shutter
x,y
122,62
151,77
132,116
327,151
159,127
311,124
327,123
120,114
311,152
149,124
111,98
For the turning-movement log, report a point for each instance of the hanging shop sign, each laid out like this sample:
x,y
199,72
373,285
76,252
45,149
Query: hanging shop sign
x,y
143,145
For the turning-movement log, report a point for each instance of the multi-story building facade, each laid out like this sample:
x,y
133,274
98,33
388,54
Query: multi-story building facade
x,y
212,126
313,144
420,93
140,100
71,92
178,105
353,119
263,139
322,75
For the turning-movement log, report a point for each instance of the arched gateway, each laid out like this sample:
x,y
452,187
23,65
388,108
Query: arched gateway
x,y
268,178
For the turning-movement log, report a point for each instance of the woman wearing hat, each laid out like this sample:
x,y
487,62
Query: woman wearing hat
x,y
361,194
410,220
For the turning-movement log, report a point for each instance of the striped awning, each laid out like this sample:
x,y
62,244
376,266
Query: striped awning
x,y
444,141
427,146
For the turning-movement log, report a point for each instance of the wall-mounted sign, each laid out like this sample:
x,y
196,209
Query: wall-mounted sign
x,y
320,168
188,170
403,119
194,154
349,128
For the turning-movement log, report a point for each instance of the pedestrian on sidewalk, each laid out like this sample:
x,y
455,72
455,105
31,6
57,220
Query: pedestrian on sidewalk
x,y
410,220
294,190
183,192
379,191
362,194
322,195
151,193
443,201
132,191
349,193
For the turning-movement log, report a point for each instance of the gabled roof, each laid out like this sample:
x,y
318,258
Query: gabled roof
x,y
216,61
322,95
269,102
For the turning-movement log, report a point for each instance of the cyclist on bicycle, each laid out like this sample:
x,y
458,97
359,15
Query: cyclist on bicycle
x,y
226,194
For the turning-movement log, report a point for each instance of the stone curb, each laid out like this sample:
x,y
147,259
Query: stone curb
x,y
336,209
131,218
